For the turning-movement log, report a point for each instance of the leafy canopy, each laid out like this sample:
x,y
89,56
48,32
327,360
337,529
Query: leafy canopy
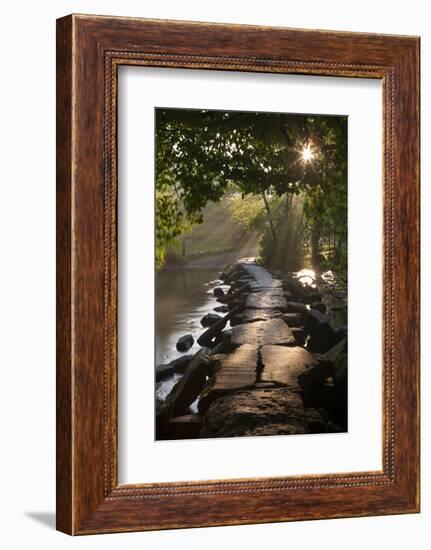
x,y
200,154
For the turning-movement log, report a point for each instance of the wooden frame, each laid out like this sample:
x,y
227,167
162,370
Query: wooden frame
x,y
89,51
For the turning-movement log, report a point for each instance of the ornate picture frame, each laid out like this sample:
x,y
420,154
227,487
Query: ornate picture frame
x,y
89,51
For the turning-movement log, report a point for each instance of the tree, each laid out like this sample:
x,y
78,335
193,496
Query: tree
x,y
200,154
325,206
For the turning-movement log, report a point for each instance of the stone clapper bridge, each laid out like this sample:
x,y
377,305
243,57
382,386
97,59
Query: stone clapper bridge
x,y
258,378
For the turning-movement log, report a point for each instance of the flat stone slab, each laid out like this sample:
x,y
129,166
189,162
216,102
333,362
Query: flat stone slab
x,y
252,315
261,333
261,275
288,366
267,284
264,411
269,299
232,372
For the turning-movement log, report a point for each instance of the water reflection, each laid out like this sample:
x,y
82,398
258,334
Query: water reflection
x,y
183,297
306,277
328,277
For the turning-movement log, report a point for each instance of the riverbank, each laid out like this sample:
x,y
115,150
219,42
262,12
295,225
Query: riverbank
x,y
272,365
220,259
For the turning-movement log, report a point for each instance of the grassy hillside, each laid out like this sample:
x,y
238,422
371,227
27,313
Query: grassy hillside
x,y
218,233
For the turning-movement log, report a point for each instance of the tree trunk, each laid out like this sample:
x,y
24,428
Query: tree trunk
x,y
270,219
315,257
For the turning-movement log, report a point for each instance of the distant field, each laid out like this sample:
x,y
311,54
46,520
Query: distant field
x,y
218,233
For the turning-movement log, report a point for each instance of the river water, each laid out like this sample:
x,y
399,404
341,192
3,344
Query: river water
x,y
183,297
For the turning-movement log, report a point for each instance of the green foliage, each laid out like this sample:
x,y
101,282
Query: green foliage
x,y
218,233
325,207
258,160
248,211
288,252
171,221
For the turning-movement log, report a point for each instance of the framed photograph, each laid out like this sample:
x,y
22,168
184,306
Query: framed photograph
x,y
237,274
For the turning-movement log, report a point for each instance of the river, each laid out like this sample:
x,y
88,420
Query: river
x,y
183,297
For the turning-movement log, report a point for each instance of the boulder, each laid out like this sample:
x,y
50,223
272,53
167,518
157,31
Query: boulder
x,y
260,333
209,319
318,345
332,354
236,371
237,304
295,288
323,414
218,291
240,285
320,306
181,427
228,272
237,274
299,335
265,385
205,339
214,360
221,309
236,319
340,378
312,296
185,342
227,340
217,349
224,338
188,388
294,319
159,407
164,371
297,307
227,298
334,428
223,276
341,334
322,335
266,411
334,401
180,364
316,422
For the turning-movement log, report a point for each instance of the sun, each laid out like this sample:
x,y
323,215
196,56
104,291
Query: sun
x,y
307,153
